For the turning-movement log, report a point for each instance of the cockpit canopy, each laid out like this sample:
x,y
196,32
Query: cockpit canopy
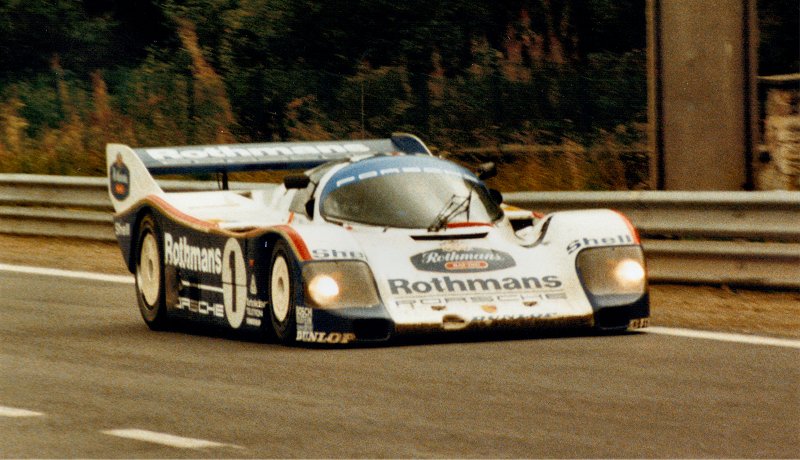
x,y
406,192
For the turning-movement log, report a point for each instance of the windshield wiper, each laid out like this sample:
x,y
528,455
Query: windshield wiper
x,y
454,206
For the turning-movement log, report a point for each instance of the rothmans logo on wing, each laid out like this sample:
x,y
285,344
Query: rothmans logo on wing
x,y
251,151
462,261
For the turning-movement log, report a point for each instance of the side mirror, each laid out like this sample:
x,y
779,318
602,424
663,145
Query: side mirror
x,y
487,170
496,196
295,181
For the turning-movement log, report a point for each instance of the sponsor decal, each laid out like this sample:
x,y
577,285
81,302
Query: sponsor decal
x,y
527,299
325,337
253,287
234,283
591,242
122,229
445,284
454,245
255,303
254,313
488,320
255,308
337,254
182,254
489,308
304,319
201,307
120,179
639,323
253,322
172,155
462,261
304,316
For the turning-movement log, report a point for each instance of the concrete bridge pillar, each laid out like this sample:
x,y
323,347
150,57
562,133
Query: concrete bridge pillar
x,y
702,67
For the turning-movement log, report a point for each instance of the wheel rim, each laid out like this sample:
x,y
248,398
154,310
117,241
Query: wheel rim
x,y
148,274
280,289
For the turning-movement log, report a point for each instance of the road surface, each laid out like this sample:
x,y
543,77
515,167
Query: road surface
x,y
82,376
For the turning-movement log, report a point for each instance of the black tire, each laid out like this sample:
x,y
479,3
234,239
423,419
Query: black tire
x,y
150,275
283,287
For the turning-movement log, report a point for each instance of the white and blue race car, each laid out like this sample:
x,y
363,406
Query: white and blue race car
x,y
378,239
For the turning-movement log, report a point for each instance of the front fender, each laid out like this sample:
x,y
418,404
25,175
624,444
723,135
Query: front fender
x,y
329,242
573,231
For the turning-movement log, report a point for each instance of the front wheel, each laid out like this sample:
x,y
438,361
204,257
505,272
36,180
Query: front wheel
x,y
150,276
282,293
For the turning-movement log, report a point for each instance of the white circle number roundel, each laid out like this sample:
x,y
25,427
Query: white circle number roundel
x,y
234,283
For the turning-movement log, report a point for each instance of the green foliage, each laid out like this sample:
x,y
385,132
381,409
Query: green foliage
x,y
77,74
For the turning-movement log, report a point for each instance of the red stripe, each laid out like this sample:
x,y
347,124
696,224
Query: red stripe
x,y
297,241
468,224
175,212
631,228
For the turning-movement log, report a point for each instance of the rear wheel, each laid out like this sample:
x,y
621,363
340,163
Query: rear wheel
x,y
282,293
150,276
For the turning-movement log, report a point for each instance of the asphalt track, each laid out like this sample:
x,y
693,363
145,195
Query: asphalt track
x,y
81,375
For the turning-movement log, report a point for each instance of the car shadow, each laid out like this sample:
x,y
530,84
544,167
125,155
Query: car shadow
x,y
406,340
450,337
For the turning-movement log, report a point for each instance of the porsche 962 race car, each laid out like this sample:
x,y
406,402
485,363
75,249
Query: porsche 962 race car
x,y
378,239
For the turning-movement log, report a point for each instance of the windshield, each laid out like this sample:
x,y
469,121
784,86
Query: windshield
x,y
410,198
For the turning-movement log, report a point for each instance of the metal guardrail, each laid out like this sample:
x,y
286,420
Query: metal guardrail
x,y
75,207
744,238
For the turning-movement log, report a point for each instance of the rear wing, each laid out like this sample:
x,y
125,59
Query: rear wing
x,y
269,156
130,170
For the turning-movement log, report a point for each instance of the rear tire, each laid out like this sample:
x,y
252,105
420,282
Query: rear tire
x,y
150,276
283,293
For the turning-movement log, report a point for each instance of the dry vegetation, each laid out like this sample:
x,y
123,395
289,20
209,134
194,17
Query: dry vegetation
x,y
468,74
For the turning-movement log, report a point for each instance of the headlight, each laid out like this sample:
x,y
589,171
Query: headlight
x,y
612,275
323,289
629,275
343,284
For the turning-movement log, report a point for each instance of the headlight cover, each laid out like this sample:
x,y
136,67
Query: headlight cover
x,y
612,276
339,284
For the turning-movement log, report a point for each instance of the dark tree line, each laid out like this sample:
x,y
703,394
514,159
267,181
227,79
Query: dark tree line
x,y
80,73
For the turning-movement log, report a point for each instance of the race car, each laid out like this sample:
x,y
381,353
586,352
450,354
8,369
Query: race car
x,y
378,239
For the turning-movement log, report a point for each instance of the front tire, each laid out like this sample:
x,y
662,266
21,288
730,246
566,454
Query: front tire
x,y
283,293
150,276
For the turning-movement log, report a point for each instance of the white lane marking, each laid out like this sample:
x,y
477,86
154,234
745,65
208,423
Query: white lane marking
x,y
691,333
14,412
723,336
164,439
66,273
